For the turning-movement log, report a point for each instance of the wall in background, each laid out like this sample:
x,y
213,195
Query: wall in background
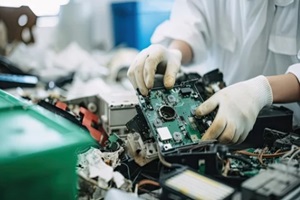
x,y
91,23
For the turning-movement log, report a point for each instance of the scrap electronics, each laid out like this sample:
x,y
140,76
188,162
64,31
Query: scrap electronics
x,y
150,146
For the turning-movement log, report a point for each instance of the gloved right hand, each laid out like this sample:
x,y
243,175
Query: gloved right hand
x,y
154,59
238,106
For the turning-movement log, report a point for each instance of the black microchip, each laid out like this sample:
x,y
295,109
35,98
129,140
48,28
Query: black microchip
x,y
181,118
185,91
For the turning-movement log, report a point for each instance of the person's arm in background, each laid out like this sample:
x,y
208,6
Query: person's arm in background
x,y
179,40
285,88
184,48
239,104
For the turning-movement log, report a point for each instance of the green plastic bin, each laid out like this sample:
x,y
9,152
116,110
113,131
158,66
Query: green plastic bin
x,y
38,152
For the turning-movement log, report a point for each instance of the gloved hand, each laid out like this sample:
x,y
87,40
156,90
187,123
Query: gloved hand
x,y
238,107
154,59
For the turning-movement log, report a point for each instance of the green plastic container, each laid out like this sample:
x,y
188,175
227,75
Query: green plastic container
x,y
38,152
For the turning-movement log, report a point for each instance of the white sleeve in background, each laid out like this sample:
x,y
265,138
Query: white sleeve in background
x,y
188,24
295,69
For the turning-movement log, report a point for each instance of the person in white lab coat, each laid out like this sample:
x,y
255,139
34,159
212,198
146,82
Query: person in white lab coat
x,y
244,39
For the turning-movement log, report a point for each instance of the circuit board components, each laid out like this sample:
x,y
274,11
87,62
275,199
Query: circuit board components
x,y
170,115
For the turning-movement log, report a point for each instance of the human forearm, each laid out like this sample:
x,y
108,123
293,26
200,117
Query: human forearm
x,y
184,48
285,88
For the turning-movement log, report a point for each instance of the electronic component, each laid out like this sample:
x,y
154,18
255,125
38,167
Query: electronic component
x,y
167,113
177,136
278,182
174,125
185,183
195,138
271,135
142,152
164,133
185,91
167,147
171,99
114,142
157,123
175,109
115,110
288,141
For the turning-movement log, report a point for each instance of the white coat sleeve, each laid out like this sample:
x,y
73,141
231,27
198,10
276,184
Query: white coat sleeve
x,y
187,23
295,69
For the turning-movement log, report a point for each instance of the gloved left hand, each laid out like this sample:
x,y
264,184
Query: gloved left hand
x,y
154,59
238,106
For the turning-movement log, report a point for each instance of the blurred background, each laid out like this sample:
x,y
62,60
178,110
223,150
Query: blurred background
x,y
89,38
93,24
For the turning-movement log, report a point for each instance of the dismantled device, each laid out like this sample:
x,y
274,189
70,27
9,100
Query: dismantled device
x,y
171,115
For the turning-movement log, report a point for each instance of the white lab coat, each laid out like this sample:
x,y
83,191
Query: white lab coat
x,y
243,38
295,69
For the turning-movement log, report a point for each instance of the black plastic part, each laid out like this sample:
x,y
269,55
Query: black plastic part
x,y
278,118
213,77
271,135
139,124
61,81
212,166
12,81
185,91
277,182
288,141
8,67
60,112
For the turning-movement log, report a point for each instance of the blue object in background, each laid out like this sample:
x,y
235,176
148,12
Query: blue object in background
x,y
135,22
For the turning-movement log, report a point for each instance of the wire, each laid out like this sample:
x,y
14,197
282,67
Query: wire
x,y
145,182
293,155
274,155
148,176
128,171
164,162
239,158
260,156
293,148
202,144
161,159
226,168
278,151
138,174
156,195
148,182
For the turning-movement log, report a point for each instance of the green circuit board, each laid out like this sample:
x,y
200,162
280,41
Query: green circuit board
x,y
170,115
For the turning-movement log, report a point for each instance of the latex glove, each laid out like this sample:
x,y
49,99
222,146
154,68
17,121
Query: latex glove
x,y
238,107
154,59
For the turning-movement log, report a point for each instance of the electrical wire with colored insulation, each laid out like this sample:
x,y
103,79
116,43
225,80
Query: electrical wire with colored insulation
x,y
164,162
274,155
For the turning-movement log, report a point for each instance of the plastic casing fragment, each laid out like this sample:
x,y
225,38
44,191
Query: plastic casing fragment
x,y
38,151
